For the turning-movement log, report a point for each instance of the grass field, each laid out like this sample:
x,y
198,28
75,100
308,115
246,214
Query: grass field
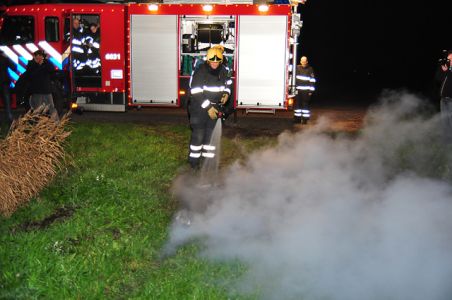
x,y
97,231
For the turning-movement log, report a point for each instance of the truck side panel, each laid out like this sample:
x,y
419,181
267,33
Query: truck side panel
x,y
262,61
154,59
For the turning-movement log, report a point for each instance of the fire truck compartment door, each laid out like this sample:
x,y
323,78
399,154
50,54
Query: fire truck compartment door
x,y
262,58
154,59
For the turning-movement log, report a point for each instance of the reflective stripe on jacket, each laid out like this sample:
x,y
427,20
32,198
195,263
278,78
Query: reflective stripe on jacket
x,y
207,86
305,79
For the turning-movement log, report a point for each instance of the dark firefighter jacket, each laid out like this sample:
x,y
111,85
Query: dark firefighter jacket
x,y
305,79
39,77
206,88
91,43
5,63
77,37
445,80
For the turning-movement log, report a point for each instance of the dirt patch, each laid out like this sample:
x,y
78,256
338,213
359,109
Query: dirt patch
x,y
116,233
59,215
250,132
244,125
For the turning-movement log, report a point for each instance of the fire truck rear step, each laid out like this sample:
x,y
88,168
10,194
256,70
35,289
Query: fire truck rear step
x,y
260,111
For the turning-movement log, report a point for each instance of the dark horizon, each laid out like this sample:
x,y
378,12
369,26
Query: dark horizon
x,y
370,46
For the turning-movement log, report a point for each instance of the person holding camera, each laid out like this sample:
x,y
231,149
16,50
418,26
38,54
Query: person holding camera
x,y
444,77
40,74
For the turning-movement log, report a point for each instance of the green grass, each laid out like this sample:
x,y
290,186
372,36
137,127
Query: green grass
x,y
118,205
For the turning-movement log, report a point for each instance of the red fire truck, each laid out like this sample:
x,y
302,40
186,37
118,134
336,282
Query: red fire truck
x,y
144,54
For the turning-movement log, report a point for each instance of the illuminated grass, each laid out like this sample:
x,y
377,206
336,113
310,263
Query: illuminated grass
x,y
97,231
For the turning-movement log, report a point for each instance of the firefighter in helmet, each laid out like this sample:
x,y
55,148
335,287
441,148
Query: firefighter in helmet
x,y
305,82
77,50
228,107
91,41
210,88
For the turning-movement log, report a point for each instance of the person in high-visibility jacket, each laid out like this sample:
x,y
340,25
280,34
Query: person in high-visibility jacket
x,y
210,88
77,50
91,41
305,83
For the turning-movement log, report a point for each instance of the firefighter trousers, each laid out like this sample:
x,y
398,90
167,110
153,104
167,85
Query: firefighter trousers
x,y
200,142
301,110
6,96
446,118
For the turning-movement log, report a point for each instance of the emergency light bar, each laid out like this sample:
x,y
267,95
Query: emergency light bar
x,y
153,7
263,8
207,7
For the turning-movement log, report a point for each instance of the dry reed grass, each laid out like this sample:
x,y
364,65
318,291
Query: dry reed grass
x,y
30,157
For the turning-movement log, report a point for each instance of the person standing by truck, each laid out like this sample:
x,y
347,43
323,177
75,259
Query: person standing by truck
x,y
305,82
210,87
5,81
92,44
77,51
40,74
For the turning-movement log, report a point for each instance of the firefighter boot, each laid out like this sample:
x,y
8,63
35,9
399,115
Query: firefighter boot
x,y
305,121
297,120
194,164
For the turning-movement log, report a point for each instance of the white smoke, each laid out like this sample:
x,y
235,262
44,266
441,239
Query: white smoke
x,y
322,216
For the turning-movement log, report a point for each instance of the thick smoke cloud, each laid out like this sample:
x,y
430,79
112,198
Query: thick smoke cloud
x,y
322,216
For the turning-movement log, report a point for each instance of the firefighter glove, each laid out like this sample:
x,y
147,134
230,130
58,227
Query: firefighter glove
x,y
224,99
213,113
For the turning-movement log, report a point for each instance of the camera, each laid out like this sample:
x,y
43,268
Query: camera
x,y
444,60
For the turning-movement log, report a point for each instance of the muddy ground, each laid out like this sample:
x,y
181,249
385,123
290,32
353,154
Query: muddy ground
x,y
348,119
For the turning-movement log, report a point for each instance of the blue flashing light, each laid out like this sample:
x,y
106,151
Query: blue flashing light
x,y
23,60
56,63
20,69
13,74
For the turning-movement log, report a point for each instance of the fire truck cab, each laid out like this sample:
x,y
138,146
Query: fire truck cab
x,y
114,56
28,28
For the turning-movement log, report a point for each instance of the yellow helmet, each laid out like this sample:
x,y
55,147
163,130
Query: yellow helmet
x,y
220,47
214,54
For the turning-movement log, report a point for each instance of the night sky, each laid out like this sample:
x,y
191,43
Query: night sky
x,y
359,48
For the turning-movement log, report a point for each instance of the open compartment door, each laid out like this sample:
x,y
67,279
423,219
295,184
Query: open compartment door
x,y
262,58
154,61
